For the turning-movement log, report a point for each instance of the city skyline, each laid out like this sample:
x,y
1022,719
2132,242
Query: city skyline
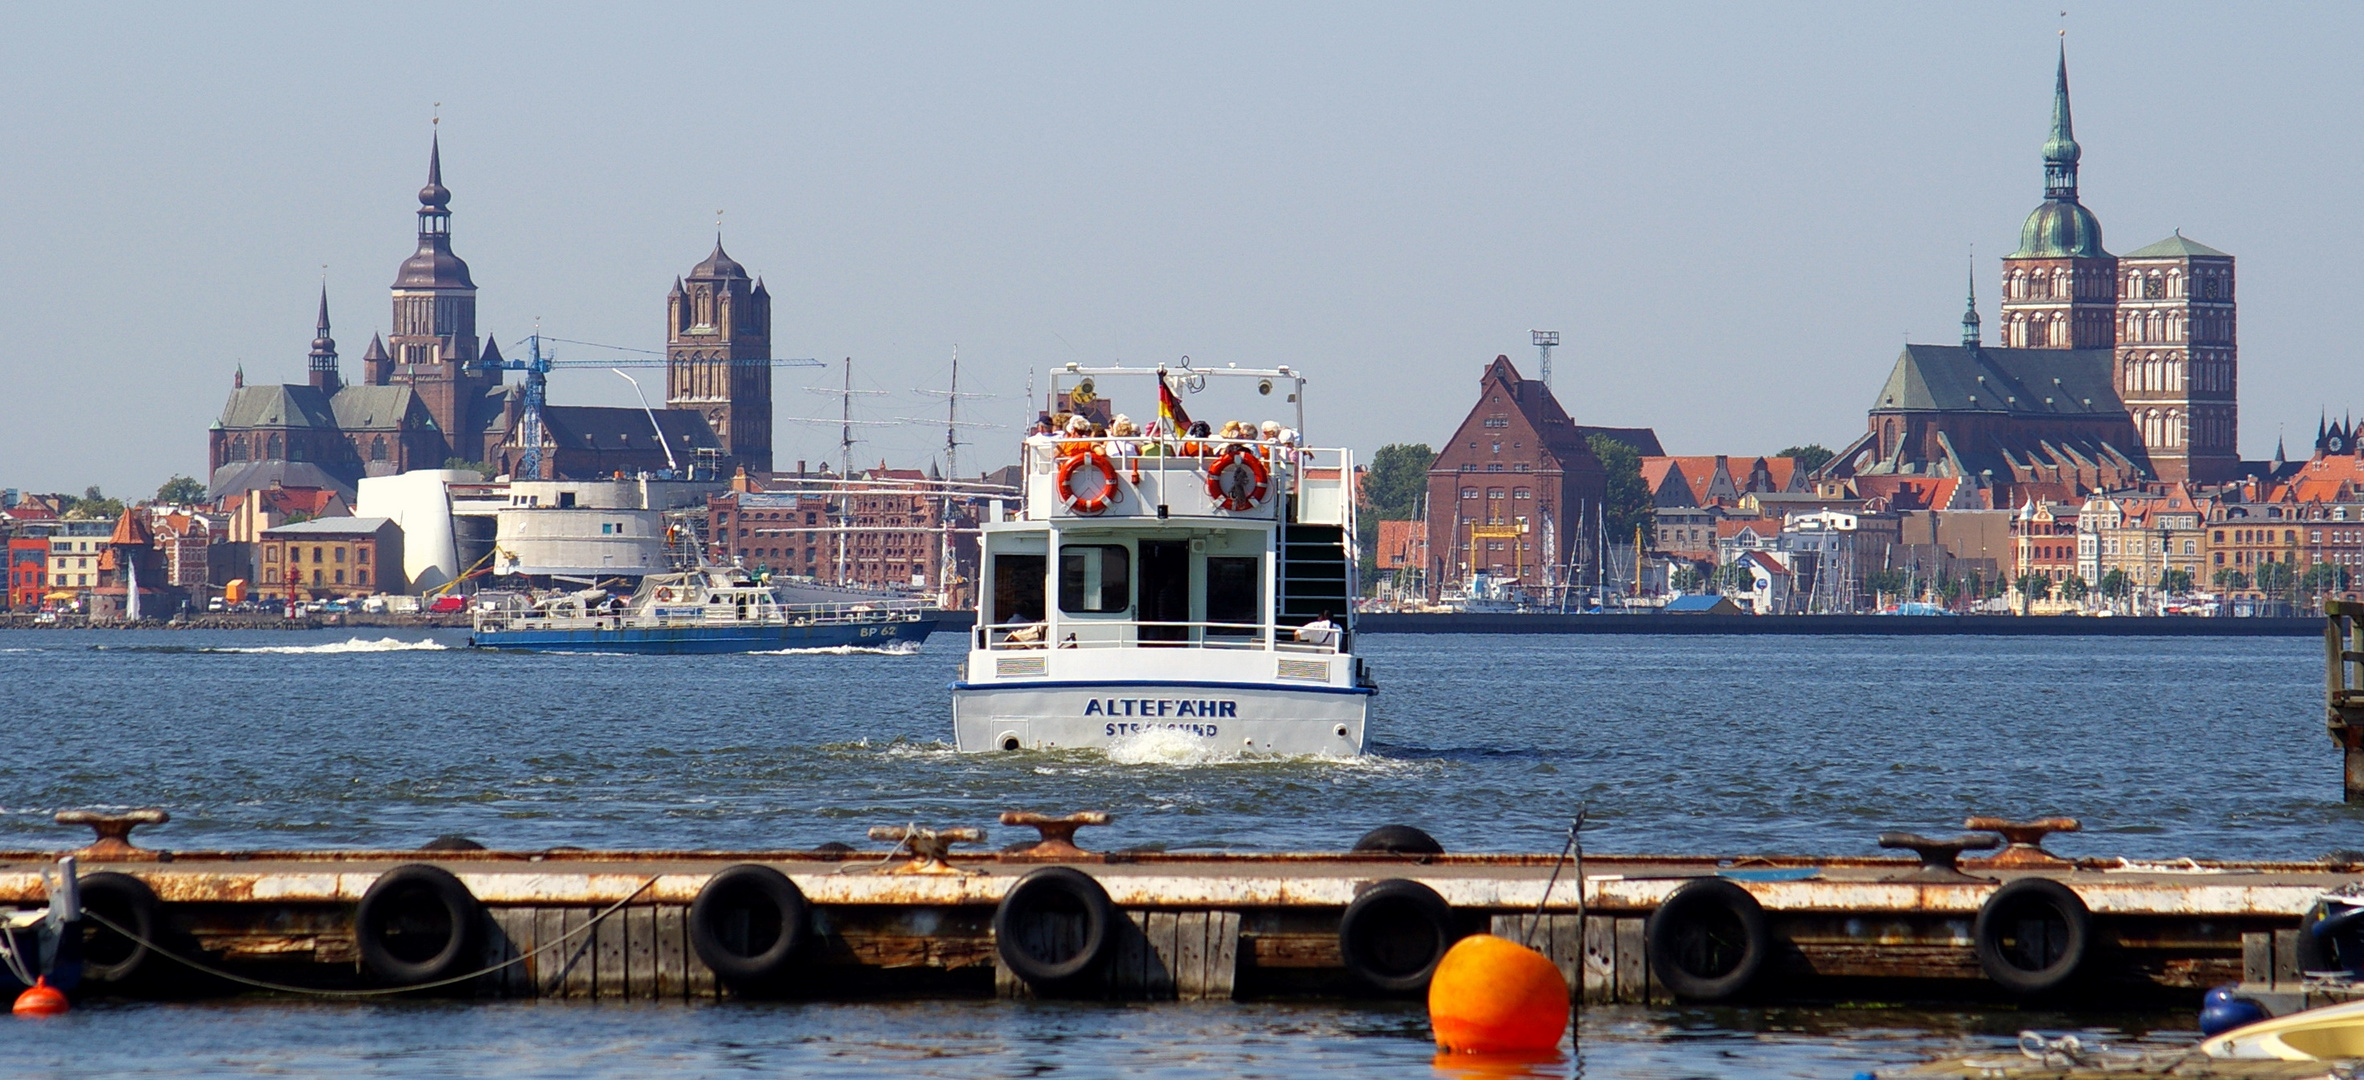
x,y
1725,237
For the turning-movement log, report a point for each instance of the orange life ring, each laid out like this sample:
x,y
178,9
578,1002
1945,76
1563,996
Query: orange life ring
x,y
1099,460
1248,459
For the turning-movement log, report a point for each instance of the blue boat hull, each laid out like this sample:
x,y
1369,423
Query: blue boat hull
x,y
708,639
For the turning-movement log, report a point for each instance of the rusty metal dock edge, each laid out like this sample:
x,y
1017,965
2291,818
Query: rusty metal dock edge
x,y
1248,924
1504,883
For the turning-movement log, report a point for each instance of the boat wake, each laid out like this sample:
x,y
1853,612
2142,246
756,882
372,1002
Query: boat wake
x,y
354,645
899,648
1184,749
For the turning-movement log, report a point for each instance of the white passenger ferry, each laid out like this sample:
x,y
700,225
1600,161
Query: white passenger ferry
x,y
1168,586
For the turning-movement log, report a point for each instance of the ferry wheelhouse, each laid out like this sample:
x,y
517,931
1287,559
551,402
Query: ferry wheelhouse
x,y
1165,586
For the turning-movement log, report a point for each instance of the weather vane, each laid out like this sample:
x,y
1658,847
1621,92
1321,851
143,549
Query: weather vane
x,y
436,117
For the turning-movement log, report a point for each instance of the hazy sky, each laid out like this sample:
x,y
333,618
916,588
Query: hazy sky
x,y
1734,214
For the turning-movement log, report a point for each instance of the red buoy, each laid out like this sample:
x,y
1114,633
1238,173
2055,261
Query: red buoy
x,y
40,999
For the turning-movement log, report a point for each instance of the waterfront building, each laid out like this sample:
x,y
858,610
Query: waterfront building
x,y
2144,536
2111,371
886,529
2044,540
75,551
28,569
1516,493
331,558
1402,551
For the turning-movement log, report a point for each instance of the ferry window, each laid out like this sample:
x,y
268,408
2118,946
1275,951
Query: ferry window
x,y
1232,591
1017,587
1095,578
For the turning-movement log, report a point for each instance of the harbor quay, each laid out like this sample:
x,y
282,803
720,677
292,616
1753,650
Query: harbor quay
x,y
1986,916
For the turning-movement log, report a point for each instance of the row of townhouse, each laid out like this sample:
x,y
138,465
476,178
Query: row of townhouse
x,y
2264,535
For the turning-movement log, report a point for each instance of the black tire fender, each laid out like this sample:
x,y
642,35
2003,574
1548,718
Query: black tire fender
x,y
2067,937
1052,892
750,924
417,924
108,957
1398,840
1707,940
1394,933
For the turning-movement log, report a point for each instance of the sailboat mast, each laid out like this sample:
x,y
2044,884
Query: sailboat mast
x,y
845,465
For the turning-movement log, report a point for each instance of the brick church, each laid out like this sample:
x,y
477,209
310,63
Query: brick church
x,y
433,391
2111,370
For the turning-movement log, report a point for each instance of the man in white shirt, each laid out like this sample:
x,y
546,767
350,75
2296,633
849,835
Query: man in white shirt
x,y
1321,632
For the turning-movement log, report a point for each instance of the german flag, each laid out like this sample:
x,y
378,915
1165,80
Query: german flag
x,y
1169,407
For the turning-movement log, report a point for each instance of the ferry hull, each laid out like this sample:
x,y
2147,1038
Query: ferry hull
x,y
671,640
1227,718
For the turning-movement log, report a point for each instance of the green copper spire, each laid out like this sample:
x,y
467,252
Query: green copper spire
x,y
2060,227
2061,150
1970,314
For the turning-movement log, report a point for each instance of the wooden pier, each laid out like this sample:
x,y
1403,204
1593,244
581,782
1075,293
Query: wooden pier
x,y
915,917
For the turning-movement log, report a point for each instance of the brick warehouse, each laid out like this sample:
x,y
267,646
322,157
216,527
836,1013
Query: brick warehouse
x,y
1516,492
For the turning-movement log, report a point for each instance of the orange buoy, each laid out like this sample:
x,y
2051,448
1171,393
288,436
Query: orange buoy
x,y
40,999
1493,995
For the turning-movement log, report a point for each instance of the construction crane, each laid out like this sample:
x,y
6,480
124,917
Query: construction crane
x,y
538,365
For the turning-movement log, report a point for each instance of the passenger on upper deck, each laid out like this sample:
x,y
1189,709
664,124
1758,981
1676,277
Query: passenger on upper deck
x,y
1124,441
1320,632
1079,436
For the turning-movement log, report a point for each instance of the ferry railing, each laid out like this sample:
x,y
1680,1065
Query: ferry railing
x,y
1128,634
1171,459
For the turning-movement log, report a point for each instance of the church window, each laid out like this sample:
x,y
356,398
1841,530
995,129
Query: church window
x,y
276,449
377,448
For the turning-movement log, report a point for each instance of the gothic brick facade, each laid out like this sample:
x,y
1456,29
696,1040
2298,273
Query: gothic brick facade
x,y
1515,490
718,349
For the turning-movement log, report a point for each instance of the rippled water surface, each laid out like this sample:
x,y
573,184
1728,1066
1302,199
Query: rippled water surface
x,y
2165,747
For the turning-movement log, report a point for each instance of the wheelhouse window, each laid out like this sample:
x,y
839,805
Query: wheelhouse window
x,y
1095,579
1232,592
1017,587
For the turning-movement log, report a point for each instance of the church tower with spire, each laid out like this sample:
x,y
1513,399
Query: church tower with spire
x,y
433,348
2060,288
718,347
324,353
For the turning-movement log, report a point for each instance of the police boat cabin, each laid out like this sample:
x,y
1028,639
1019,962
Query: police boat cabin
x,y
1169,580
